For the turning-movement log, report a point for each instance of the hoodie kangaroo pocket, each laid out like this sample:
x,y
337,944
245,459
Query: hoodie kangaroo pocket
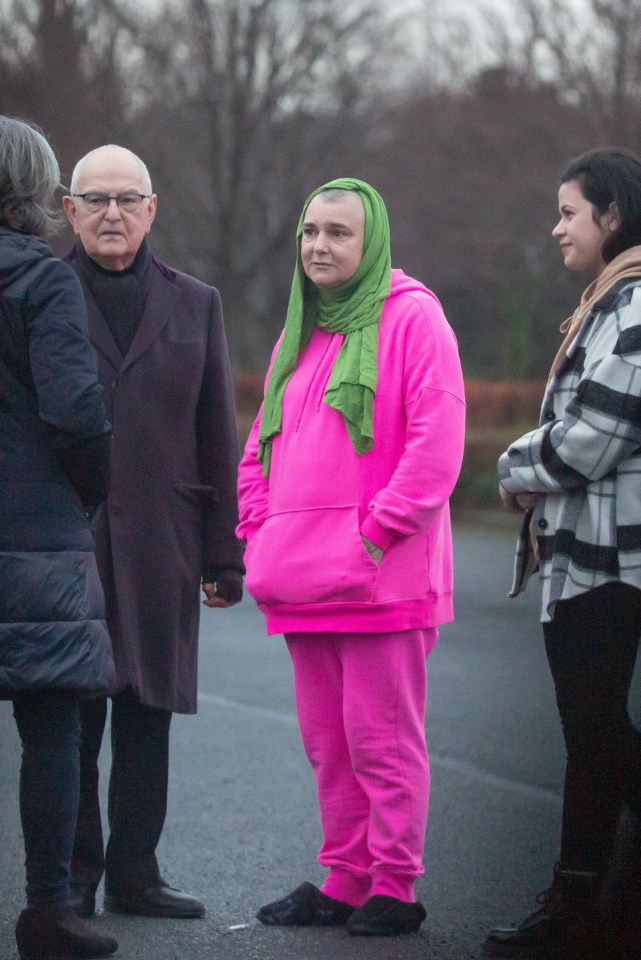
x,y
310,556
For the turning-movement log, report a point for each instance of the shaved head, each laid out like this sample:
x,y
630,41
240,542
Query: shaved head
x,y
340,195
107,157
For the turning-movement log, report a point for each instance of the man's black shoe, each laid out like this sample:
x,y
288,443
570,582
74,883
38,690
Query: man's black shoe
x,y
158,901
384,916
306,906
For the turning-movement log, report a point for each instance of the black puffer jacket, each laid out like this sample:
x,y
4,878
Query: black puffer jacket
x,y
54,469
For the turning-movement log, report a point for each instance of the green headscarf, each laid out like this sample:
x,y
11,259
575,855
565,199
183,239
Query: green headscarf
x,y
353,309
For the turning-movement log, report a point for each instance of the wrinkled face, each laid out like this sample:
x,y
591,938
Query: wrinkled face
x,y
332,241
581,236
111,235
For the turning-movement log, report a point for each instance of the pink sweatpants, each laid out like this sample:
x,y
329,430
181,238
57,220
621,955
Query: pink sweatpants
x,y
361,708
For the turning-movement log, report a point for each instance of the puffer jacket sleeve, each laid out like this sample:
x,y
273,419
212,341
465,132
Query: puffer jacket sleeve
x,y
64,371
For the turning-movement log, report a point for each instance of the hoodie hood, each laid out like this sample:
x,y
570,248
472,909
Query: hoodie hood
x,y
19,253
401,283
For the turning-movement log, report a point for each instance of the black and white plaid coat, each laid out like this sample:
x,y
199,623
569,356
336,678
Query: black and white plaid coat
x,y
585,459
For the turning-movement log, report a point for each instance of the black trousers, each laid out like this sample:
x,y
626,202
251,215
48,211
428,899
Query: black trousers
x,y
137,795
49,729
591,645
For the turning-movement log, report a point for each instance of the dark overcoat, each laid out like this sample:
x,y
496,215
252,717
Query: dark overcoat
x,y
54,467
172,511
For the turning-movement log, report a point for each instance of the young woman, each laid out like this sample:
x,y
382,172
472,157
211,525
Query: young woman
x,y
577,479
344,489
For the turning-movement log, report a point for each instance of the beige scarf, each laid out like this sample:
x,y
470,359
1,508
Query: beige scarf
x,y
626,264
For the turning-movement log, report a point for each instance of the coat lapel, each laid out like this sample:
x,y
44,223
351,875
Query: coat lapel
x,y
99,332
161,303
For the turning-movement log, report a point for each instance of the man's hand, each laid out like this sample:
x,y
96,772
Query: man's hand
x,y
226,591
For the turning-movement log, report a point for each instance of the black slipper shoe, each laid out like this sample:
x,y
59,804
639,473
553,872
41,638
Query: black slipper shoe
x,y
383,916
306,906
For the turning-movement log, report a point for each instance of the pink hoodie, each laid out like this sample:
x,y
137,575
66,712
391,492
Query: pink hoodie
x,y
306,564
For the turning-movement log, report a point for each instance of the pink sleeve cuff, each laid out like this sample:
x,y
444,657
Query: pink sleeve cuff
x,y
378,535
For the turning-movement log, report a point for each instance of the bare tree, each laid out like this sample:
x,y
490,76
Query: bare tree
x,y
60,65
241,107
470,178
591,50
446,45
252,103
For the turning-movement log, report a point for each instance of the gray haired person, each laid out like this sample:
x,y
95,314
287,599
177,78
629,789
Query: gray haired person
x,y
54,471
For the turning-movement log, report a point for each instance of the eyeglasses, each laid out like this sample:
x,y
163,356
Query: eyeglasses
x,y
95,202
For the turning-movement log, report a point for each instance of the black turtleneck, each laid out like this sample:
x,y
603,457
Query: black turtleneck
x,y
120,294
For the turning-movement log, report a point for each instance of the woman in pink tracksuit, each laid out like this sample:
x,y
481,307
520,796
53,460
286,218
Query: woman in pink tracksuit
x,y
344,488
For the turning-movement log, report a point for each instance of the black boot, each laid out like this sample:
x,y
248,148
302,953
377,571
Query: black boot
x,y
58,934
624,922
623,889
629,929
566,926
580,924
534,936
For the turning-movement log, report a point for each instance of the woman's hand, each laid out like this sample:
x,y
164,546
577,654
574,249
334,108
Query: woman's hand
x,y
375,552
517,502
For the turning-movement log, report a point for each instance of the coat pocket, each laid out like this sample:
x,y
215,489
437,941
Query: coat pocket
x,y
196,492
310,556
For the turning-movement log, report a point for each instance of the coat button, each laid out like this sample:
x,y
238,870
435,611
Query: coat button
x,y
550,415
543,524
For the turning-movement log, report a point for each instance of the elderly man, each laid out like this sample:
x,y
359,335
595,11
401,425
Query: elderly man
x,y
167,526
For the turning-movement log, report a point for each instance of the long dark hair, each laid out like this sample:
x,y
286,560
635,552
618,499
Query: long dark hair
x,y
611,175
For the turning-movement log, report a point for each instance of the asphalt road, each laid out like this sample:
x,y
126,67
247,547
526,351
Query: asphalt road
x,y
242,827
